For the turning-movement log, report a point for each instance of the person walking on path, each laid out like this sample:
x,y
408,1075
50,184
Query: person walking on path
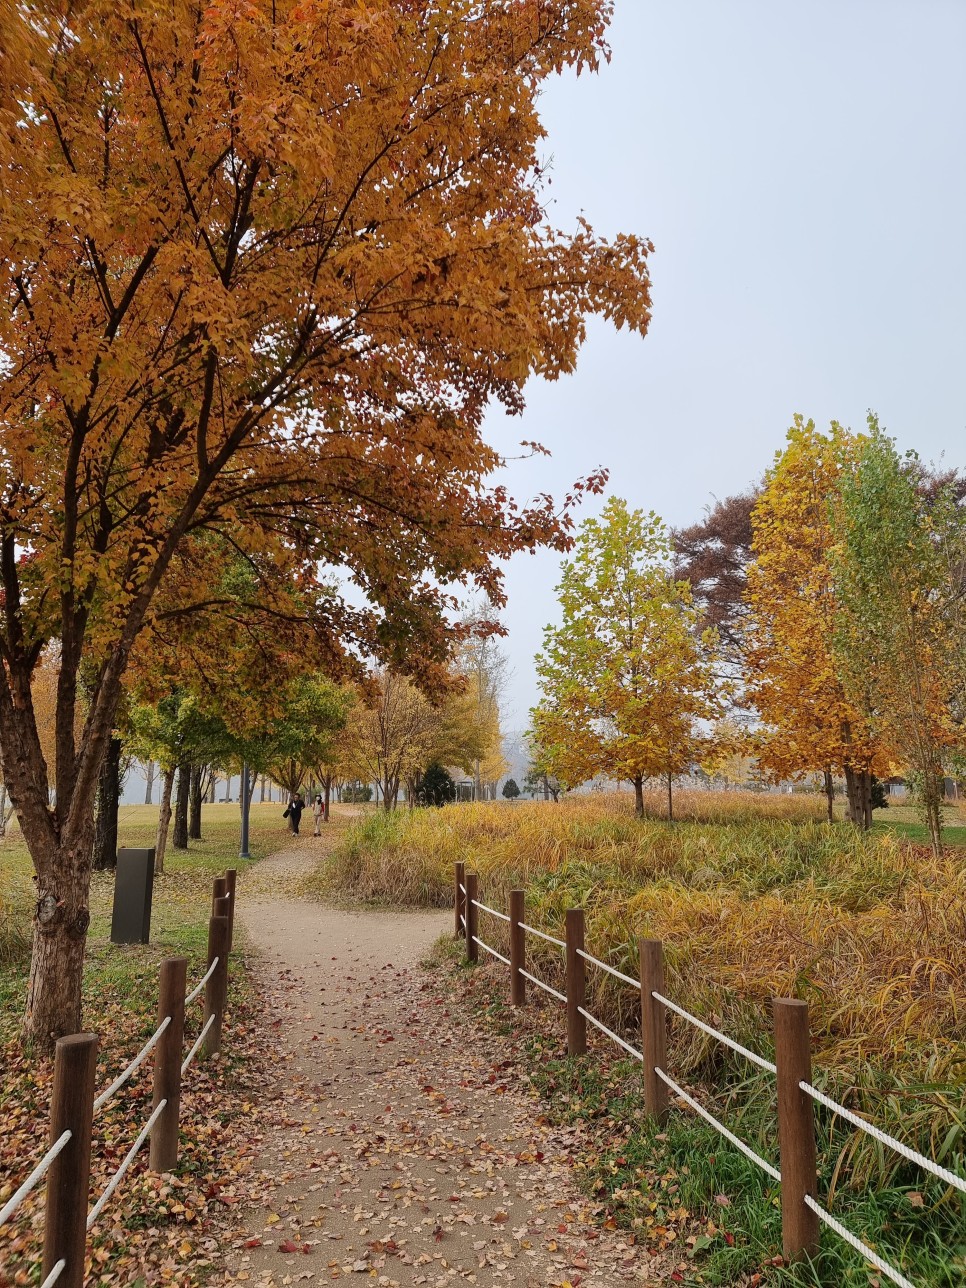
x,y
294,812
318,813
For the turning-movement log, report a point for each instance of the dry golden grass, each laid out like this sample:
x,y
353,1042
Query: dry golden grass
x,y
753,896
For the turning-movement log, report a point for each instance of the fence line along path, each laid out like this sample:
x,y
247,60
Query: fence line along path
x,y
803,1215
66,1166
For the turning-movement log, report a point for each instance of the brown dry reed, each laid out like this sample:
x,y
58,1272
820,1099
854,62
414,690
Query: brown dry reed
x,y
754,896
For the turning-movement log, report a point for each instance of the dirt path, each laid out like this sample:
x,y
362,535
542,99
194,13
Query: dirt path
x,y
398,1151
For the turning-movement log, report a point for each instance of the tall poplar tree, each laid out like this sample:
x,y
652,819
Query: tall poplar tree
x,y
810,721
628,679
898,619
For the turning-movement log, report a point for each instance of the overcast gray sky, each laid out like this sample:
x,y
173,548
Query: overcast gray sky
x,y
799,168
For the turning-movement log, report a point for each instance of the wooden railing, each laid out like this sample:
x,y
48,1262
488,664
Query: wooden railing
x,y
67,1163
802,1213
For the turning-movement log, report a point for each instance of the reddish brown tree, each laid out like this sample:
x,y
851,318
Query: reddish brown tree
x,y
713,556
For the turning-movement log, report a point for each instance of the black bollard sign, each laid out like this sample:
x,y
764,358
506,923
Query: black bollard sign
x,y
133,887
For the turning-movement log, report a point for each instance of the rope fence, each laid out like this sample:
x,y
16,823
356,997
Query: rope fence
x,y
34,1179
136,1063
802,1214
55,1274
753,1056
66,1164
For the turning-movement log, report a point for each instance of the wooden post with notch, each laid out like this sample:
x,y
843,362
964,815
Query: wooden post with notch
x,y
796,1128
576,983
472,917
216,990
518,948
231,880
219,888
460,881
69,1177
653,1026
167,1065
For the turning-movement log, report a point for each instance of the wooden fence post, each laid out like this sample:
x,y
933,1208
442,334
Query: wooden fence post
x,y
460,875
216,990
472,916
231,880
576,983
653,1026
69,1178
167,1065
796,1128
518,948
219,888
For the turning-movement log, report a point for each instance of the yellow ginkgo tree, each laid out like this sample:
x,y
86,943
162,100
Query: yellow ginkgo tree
x,y
629,682
809,720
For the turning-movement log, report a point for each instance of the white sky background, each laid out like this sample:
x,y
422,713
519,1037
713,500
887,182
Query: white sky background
x,y
800,170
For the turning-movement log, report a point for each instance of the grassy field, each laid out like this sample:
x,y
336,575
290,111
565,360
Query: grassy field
x,y
753,897
120,1004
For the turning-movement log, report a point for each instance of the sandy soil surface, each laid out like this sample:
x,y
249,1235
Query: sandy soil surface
x,y
400,1152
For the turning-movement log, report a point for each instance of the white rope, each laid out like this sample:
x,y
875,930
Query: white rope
x,y
462,922
492,911
36,1175
546,987
138,1060
198,1041
706,1028
59,1268
196,992
700,1110
634,983
912,1154
491,951
857,1244
115,1180
462,888
541,935
604,1029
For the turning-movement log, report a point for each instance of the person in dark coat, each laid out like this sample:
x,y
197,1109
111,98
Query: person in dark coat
x,y
294,812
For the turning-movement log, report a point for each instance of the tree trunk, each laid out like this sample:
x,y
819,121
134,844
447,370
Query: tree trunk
x,y
829,793
148,782
179,834
60,929
670,800
546,787
866,801
194,803
164,818
214,785
108,800
327,789
638,797
261,798
858,789
931,792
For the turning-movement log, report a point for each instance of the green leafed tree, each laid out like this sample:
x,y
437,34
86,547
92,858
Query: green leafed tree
x,y
628,678
898,631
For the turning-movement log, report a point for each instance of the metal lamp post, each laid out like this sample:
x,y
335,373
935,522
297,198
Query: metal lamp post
x,y
245,798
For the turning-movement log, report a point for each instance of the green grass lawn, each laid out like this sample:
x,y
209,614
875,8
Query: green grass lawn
x,y
180,911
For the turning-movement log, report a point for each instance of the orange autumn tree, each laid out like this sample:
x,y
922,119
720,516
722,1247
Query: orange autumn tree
x,y
809,723
263,269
